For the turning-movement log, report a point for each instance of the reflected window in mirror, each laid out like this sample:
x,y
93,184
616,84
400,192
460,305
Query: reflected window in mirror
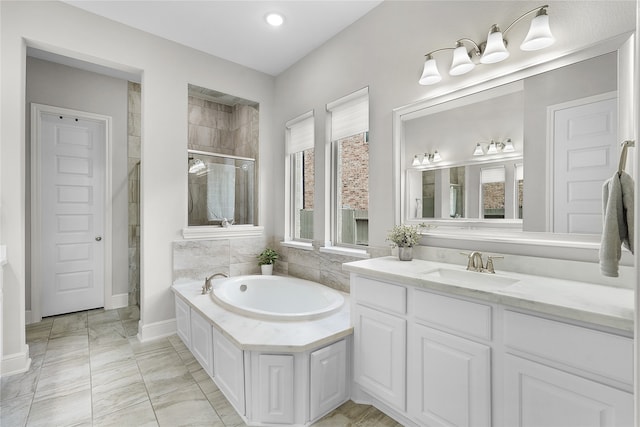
x,y
456,192
519,176
301,179
492,192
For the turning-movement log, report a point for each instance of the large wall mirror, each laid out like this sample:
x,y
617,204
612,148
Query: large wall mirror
x,y
524,152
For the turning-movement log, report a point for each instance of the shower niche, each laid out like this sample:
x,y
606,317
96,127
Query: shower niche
x,y
221,159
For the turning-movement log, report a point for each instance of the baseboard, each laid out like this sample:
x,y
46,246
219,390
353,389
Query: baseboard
x,y
119,301
156,330
16,363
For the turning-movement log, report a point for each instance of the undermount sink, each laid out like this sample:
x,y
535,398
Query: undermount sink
x,y
471,279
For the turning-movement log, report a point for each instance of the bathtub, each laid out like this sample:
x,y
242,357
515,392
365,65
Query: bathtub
x,y
276,297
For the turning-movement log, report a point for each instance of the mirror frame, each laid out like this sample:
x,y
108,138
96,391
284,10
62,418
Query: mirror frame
x,y
480,230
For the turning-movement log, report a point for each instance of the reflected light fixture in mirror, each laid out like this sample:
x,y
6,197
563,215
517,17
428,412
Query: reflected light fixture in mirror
x,y
493,50
427,159
495,147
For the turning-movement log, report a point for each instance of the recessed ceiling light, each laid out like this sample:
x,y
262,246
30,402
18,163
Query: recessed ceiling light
x,y
274,19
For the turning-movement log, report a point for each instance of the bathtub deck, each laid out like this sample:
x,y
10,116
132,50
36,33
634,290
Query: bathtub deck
x,y
264,335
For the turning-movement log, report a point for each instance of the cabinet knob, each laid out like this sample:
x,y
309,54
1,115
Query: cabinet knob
x,y
98,238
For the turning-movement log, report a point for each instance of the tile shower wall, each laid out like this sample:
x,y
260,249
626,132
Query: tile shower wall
x,y
197,259
133,130
222,128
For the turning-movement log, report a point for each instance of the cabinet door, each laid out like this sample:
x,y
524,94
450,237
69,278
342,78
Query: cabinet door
x,y
183,321
202,342
539,396
380,355
275,386
449,379
328,378
228,370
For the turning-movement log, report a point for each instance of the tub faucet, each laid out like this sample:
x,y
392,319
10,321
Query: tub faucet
x,y
206,288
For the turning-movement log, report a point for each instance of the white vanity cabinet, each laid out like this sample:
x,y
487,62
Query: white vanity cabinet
x,y
328,387
380,333
559,374
475,362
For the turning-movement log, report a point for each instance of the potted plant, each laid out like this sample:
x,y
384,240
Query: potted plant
x,y
405,237
266,259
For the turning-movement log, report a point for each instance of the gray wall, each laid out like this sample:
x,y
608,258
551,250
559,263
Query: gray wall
x,y
385,50
61,86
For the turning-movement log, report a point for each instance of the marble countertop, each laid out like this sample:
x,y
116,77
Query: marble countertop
x,y
587,302
263,335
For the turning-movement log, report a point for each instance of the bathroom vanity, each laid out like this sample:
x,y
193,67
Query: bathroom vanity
x,y
272,372
437,345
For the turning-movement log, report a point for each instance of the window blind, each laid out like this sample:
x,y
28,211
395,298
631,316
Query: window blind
x,y
349,114
301,133
489,175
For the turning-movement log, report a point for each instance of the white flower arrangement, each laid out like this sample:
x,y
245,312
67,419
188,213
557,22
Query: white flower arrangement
x,y
405,236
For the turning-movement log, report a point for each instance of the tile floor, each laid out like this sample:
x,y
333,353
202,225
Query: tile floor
x,y
88,369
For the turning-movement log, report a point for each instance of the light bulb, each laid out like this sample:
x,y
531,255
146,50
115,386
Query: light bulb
x,y
495,50
539,35
478,151
461,62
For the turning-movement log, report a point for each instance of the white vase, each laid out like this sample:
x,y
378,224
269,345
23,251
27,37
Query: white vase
x,y
267,269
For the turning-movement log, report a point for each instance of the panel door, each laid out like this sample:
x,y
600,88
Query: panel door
x,y
540,396
183,321
275,385
328,378
585,154
449,379
380,355
202,341
228,370
72,159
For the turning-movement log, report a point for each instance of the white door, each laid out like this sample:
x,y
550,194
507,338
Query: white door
x,y
71,208
585,155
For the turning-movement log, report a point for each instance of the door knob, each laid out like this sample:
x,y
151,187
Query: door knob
x,y
98,238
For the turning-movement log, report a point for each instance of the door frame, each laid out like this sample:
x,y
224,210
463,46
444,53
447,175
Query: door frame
x,y
36,231
551,110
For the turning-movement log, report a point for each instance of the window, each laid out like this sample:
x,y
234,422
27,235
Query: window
x,y
350,169
492,191
519,189
300,153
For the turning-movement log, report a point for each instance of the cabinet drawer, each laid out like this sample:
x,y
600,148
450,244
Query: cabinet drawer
x,y
381,295
597,352
457,315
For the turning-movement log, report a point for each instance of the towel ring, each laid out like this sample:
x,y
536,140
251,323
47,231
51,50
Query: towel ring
x,y
623,154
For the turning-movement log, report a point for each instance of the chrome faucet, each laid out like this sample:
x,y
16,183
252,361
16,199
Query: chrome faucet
x,y
207,287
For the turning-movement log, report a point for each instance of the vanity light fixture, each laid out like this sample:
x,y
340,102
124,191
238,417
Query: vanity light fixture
x,y
495,147
426,160
491,51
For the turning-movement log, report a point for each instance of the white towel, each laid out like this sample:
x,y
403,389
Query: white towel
x,y
618,217
221,191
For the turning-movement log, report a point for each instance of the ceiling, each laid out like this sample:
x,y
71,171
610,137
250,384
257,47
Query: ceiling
x,y
236,29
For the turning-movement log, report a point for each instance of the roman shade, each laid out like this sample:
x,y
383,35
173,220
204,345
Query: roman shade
x,y
349,114
300,133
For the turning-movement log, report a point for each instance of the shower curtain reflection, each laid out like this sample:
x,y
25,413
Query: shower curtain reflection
x,y
221,187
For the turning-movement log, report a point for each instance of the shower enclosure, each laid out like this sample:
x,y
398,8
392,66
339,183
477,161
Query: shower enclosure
x,y
221,189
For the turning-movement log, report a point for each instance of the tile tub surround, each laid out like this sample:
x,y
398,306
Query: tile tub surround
x,y
197,259
122,376
587,302
263,335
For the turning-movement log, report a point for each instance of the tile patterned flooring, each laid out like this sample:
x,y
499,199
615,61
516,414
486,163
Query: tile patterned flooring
x,y
89,369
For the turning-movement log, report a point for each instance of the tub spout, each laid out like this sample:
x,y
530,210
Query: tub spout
x,y
206,288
